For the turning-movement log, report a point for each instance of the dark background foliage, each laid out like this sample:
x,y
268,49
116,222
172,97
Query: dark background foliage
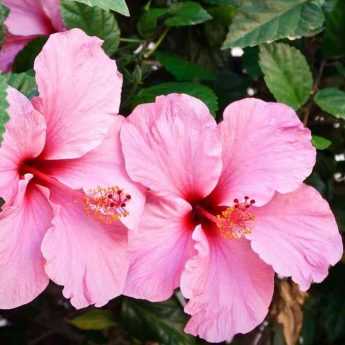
x,y
292,51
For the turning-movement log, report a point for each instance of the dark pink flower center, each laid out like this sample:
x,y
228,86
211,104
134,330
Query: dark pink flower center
x,y
231,222
106,204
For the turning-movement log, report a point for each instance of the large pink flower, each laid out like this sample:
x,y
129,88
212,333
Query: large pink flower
x,y
226,208
63,178
28,19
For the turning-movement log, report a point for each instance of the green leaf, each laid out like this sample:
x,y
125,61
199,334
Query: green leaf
x,y
148,21
161,322
180,14
287,73
321,143
24,82
25,58
186,13
3,105
223,2
333,44
268,20
95,319
3,15
332,101
202,92
94,21
114,5
183,70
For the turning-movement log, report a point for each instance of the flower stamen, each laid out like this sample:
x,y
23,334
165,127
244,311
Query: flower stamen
x,y
236,221
106,204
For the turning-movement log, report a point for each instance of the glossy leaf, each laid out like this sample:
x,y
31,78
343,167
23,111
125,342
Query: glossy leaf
x,y
94,21
269,20
332,101
321,143
202,92
114,5
287,73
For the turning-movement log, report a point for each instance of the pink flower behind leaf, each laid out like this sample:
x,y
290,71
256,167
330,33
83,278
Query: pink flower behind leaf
x,y
68,198
27,20
226,208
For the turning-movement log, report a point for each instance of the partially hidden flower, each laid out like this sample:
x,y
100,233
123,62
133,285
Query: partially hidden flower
x,y
27,20
68,198
226,208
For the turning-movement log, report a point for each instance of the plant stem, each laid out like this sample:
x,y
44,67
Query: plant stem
x,y
131,40
315,89
157,44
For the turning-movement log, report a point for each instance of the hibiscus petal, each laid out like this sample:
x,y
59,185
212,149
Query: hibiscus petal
x,y
53,11
159,249
27,18
24,139
87,257
228,286
297,234
103,166
22,227
170,145
80,90
265,149
9,50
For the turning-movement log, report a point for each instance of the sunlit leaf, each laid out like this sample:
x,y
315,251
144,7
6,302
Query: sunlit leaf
x,y
332,101
269,20
321,143
287,73
114,5
94,21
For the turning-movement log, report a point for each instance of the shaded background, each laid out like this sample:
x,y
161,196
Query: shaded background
x,y
192,47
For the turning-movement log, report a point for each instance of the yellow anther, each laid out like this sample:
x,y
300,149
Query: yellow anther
x,y
106,204
236,222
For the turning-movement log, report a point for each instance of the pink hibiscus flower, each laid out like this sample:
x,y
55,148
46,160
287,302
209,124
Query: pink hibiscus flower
x,y
62,176
226,208
27,20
